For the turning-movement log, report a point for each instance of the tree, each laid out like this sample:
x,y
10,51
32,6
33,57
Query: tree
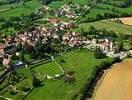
x,y
2,19
98,53
92,30
22,57
37,80
69,77
120,45
45,2
69,2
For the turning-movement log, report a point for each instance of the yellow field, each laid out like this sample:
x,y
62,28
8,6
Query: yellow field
x,y
117,83
127,20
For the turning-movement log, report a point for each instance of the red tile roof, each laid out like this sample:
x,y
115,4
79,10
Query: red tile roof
x,y
53,20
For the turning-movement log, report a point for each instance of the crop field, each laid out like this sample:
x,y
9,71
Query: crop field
x,y
109,25
117,83
127,20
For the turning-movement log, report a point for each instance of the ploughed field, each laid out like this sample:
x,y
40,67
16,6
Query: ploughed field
x,y
127,20
116,84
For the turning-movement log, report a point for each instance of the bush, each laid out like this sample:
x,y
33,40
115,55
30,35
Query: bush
x,y
70,72
116,59
37,80
26,88
69,78
99,54
13,92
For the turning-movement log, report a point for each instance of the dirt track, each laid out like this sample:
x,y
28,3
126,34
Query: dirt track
x,y
127,20
117,83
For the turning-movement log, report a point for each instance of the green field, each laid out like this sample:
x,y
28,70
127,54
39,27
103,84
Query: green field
x,y
101,9
108,25
111,7
81,62
19,9
57,4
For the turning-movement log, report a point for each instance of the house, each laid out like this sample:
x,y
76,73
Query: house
x,y
6,60
2,46
10,49
53,20
2,53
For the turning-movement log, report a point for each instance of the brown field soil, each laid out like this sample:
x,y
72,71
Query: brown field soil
x,y
127,20
117,83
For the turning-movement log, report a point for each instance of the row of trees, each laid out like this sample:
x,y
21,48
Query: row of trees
x,y
96,74
99,33
118,3
86,18
19,24
12,1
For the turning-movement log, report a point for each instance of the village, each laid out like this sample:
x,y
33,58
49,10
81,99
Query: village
x,y
68,38
56,49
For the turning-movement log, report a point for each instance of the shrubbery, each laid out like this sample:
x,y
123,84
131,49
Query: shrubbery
x,y
69,77
99,54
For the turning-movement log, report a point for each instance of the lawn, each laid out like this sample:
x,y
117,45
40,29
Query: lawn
x,y
108,25
19,9
48,68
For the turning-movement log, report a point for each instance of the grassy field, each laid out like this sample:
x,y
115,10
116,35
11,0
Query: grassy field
x,y
18,9
82,62
105,8
48,69
57,4
110,7
109,25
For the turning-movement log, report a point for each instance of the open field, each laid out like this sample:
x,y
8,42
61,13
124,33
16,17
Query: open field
x,y
57,4
113,8
127,21
109,25
81,62
117,84
105,8
19,9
